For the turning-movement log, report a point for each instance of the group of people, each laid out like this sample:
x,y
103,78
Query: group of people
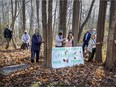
x,y
36,41
89,42
68,42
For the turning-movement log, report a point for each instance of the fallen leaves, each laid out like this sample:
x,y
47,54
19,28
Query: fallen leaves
x,y
84,75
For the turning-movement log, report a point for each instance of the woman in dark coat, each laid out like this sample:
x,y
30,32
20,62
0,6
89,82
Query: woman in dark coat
x,y
35,45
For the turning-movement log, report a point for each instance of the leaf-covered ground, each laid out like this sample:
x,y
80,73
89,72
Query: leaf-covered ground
x,y
91,74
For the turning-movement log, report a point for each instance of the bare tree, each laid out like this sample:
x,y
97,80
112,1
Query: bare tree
x,y
75,21
110,62
13,21
100,29
31,19
23,13
49,34
86,20
62,21
37,11
44,27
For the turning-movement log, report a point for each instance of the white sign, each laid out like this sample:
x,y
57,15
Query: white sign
x,y
67,56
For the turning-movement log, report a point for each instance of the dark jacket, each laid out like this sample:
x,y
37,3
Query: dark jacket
x,y
88,37
36,42
7,33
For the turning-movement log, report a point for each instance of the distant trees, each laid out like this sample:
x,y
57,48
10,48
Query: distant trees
x,y
86,20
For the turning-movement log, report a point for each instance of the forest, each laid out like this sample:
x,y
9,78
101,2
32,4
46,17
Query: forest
x,y
49,25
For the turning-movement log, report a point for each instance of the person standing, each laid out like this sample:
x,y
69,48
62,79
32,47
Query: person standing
x,y
25,39
86,39
92,47
69,41
35,45
59,39
8,36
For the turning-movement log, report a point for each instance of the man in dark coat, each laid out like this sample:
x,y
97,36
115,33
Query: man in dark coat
x,y
35,45
7,35
86,39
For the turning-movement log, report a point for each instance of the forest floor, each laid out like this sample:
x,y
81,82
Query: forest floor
x,y
91,74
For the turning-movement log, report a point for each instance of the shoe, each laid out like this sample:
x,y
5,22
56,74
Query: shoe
x,y
32,61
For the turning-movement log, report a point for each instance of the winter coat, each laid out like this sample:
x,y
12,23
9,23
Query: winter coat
x,y
92,44
7,33
25,38
36,42
59,39
87,37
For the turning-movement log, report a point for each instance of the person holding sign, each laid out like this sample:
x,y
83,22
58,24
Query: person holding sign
x,y
69,41
92,47
59,39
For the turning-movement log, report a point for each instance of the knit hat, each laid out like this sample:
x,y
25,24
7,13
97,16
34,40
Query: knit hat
x,y
25,31
37,31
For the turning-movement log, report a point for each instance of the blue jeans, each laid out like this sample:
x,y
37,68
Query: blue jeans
x,y
85,44
33,52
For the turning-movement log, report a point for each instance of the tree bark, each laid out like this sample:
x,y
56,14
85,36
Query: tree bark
x,y
86,20
13,22
63,13
54,23
49,34
75,21
31,19
100,29
37,12
110,62
23,13
44,27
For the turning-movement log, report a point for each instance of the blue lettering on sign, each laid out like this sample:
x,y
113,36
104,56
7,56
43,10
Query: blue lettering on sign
x,y
76,61
56,62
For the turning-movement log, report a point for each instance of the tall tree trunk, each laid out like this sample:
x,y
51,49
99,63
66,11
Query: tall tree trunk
x,y
13,22
110,62
63,13
3,18
20,19
31,19
37,11
44,27
23,13
86,20
49,34
54,23
75,21
100,29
